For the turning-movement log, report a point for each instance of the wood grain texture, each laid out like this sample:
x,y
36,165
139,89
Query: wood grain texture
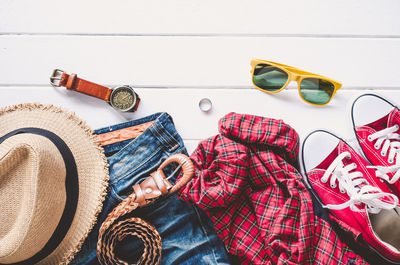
x,y
206,17
195,61
195,125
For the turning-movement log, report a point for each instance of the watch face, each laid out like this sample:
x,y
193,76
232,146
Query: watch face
x,y
123,98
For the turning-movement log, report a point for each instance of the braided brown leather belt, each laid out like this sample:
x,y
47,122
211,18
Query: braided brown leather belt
x,y
145,192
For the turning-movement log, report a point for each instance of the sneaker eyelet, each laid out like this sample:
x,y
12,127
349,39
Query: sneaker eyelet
x,y
348,156
390,161
323,180
333,186
396,126
376,147
342,191
369,138
383,154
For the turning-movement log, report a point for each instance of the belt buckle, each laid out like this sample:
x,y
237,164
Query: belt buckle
x,y
56,75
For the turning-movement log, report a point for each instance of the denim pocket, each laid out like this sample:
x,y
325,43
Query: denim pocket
x,y
166,135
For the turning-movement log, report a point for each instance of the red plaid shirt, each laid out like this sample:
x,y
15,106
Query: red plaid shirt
x,y
246,181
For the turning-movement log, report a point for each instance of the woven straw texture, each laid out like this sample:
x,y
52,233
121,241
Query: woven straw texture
x,y
31,184
92,171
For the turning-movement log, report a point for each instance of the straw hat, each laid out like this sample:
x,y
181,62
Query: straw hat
x,y
53,180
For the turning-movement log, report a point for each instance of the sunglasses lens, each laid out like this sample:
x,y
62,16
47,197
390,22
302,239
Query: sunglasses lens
x,y
269,78
316,91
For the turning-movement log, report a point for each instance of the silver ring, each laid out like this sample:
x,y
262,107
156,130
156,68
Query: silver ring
x,y
205,104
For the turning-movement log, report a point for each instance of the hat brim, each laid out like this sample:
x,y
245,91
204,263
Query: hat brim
x,y
90,161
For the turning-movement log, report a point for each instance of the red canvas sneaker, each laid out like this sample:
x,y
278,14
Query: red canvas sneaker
x,y
349,188
376,125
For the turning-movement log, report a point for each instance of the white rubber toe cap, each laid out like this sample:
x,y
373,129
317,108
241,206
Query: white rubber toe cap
x,y
316,147
369,108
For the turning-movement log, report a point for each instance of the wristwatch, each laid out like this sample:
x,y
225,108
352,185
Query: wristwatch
x,y
122,98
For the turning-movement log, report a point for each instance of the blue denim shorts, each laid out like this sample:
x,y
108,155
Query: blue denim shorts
x,y
188,236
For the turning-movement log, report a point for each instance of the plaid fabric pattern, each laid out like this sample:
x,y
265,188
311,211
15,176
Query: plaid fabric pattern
x,y
246,181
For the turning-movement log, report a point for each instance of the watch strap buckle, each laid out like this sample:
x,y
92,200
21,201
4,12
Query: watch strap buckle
x,y
56,77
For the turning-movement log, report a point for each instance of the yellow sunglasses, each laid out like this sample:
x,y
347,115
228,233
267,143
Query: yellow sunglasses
x,y
271,77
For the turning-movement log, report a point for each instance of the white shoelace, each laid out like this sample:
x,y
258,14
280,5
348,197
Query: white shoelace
x,y
384,139
349,182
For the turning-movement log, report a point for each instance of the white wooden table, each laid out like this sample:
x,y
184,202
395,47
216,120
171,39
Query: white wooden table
x,y
178,51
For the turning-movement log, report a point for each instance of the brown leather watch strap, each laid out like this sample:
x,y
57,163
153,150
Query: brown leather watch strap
x,y
145,192
72,82
137,102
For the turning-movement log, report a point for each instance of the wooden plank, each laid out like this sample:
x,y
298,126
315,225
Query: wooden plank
x,y
191,145
206,17
193,124
195,61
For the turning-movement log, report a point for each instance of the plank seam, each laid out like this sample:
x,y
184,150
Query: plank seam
x,y
245,35
36,86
